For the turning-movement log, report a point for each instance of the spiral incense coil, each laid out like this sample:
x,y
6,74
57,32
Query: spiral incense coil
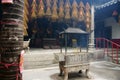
x,y
12,15
14,10
11,20
11,40
10,78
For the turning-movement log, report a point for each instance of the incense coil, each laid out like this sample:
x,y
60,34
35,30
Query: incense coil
x,y
16,4
10,78
7,25
12,15
3,49
11,20
11,51
14,32
13,46
9,59
16,53
4,39
10,42
21,2
9,28
14,10
6,77
11,37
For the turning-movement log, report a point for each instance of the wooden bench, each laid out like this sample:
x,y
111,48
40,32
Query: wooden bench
x,y
73,62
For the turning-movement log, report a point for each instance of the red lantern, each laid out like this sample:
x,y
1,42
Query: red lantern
x,y
7,1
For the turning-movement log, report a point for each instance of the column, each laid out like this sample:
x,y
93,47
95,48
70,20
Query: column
x,y
91,35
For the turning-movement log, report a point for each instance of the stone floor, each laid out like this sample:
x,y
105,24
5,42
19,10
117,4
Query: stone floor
x,y
100,70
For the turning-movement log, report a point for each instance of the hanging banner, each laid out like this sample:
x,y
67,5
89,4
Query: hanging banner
x,y
7,1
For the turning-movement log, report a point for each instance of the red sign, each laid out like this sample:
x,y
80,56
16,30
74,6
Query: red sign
x,y
7,1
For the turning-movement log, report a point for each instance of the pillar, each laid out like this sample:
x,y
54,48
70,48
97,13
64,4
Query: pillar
x,y
91,44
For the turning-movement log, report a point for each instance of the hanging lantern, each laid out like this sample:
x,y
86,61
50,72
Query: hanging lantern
x,y
33,10
87,20
81,15
7,1
48,10
88,27
81,4
88,17
87,6
54,1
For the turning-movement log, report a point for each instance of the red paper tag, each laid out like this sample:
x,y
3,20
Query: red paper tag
x,y
7,1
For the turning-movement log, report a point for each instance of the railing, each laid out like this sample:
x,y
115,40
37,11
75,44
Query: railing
x,y
110,48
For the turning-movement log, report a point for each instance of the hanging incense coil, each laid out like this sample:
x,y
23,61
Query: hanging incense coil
x,y
15,5
11,40
12,20
10,59
74,14
14,10
41,11
12,15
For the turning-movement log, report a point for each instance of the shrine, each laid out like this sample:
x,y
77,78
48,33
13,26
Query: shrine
x,y
57,37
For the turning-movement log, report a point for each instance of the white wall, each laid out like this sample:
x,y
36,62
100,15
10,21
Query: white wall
x,y
115,27
116,31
